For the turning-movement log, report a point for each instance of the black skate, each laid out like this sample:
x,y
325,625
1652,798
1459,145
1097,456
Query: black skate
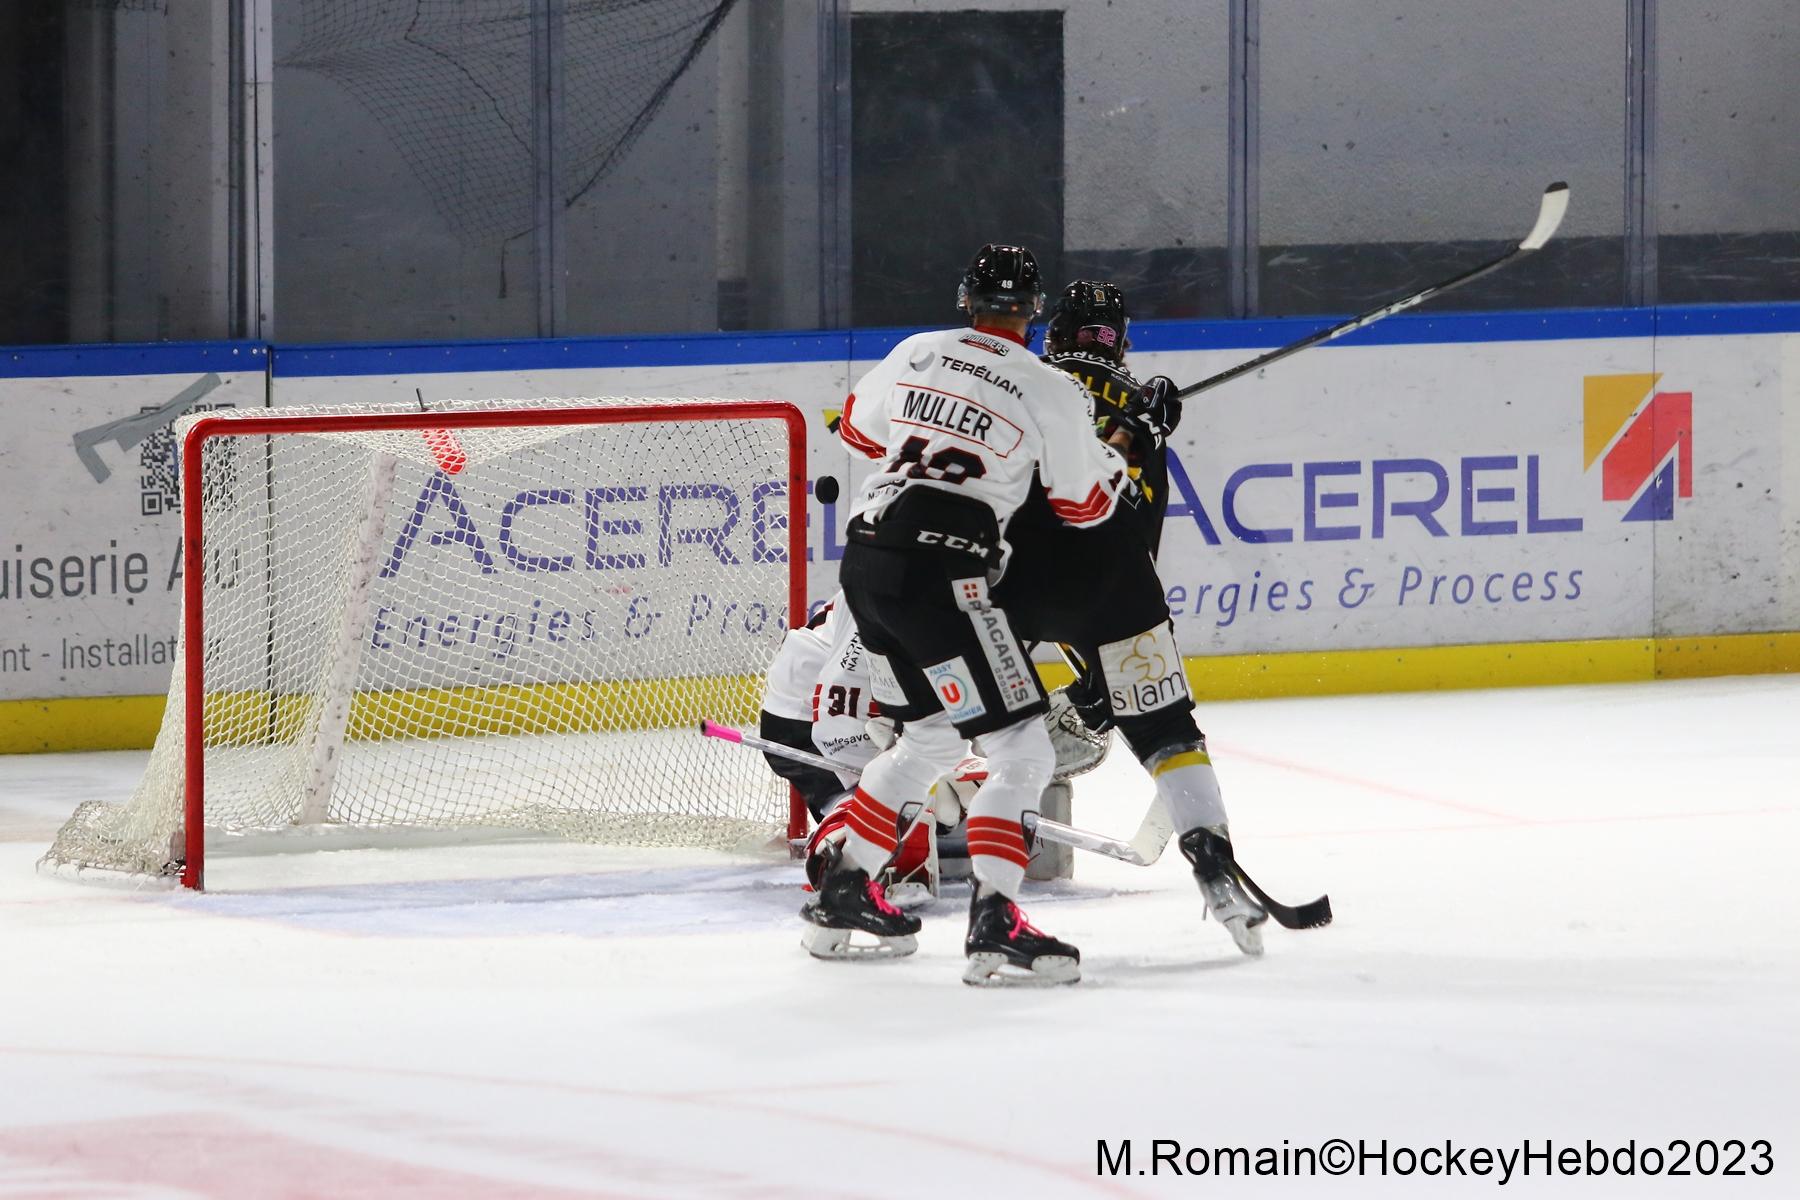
x,y
1004,950
1215,869
848,901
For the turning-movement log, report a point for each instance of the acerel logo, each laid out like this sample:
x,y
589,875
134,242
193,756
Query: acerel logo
x,y
1643,440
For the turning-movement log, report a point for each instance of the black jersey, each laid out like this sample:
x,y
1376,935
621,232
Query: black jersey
x,y
1111,386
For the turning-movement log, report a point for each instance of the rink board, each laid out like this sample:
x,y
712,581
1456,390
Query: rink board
x,y
1464,500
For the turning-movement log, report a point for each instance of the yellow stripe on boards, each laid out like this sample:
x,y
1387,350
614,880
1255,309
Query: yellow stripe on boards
x,y
1510,664
80,723
260,718
131,722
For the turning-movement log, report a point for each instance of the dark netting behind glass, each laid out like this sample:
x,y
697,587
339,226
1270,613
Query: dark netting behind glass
x,y
450,81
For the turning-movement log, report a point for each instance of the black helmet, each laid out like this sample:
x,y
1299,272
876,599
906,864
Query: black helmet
x,y
1004,280
1089,317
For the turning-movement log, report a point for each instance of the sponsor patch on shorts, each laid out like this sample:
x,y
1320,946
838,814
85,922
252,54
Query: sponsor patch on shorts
x,y
884,685
1013,672
955,689
1144,673
971,594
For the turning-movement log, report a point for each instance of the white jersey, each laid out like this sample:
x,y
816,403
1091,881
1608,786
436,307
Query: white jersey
x,y
973,412
821,675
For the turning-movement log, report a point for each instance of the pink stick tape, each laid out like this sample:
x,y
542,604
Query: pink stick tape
x,y
714,729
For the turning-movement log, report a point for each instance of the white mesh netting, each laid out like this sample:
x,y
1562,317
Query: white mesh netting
x,y
516,627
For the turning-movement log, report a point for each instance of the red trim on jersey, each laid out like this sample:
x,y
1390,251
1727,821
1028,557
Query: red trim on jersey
x,y
1098,503
1008,334
817,688
855,438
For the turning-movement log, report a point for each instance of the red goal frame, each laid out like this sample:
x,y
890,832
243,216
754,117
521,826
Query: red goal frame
x,y
193,871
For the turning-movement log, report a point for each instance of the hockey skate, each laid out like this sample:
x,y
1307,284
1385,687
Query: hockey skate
x,y
1006,951
1215,869
847,901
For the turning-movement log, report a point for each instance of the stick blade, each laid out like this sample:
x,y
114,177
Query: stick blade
x,y
1550,215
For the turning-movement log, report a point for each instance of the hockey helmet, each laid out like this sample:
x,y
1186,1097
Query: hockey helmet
x,y
1003,280
1089,317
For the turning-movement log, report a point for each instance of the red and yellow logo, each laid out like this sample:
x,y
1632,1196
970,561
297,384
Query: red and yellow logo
x,y
1643,440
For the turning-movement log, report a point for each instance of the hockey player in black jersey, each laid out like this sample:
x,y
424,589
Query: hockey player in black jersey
x,y
1096,590
1088,335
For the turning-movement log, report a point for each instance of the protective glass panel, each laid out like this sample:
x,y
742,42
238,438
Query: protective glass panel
x,y
403,166
1094,134
1403,142
116,145
640,151
1727,170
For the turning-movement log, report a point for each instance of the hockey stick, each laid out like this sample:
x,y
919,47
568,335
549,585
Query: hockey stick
x,y
1147,845
1142,850
1310,915
726,733
1550,214
1154,831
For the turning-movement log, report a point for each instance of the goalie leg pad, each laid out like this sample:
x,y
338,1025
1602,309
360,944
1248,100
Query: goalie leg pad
x,y
898,779
912,879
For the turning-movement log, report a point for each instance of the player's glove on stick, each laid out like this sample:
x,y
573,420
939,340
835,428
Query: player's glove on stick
x,y
1148,418
1087,694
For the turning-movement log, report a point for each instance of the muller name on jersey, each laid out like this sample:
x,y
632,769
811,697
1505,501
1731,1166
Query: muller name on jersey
x,y
958,416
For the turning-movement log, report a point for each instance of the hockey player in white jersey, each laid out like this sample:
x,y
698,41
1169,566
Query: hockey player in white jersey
x,y
961,423
817,699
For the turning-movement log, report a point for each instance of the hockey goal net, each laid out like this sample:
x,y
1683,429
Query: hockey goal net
x,y
505,614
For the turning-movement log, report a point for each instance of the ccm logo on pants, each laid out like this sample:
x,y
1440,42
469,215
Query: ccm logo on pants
x,y
955,690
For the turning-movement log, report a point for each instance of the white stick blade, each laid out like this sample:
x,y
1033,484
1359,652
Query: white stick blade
x,y
1550,215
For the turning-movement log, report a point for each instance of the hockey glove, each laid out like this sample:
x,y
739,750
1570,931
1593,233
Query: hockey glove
x,y
1153,412
1147,419
1088,696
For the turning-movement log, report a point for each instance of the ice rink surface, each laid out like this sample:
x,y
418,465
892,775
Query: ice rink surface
x,y
1564,914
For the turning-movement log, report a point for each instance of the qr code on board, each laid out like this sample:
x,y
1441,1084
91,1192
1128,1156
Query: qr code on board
x,y
159,481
